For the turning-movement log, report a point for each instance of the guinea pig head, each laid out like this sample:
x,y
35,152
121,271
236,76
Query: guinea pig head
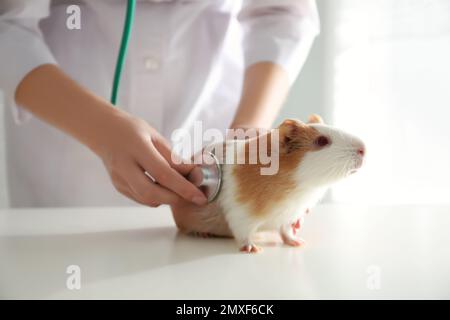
x,y
318,154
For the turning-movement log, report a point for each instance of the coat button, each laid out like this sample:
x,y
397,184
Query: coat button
x,y
151,63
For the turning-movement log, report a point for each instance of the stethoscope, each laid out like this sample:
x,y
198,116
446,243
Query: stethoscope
x,y
208,175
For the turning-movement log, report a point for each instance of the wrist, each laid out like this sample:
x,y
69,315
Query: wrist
x,y
102,120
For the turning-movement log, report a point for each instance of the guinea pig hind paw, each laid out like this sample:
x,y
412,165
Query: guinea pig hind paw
x,y
250,248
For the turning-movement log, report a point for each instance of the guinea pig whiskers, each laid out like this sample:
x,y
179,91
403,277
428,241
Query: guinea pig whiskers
x,y
346,148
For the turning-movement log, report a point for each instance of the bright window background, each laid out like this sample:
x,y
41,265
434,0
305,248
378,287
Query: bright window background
x,y
381,69
391,84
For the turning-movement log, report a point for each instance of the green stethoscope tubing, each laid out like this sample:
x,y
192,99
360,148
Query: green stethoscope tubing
x,y
129,19
211,175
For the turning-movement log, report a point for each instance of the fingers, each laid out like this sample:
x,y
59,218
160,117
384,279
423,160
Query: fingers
x,y
149,192
174,160
315,118
123,188
157,166
127,193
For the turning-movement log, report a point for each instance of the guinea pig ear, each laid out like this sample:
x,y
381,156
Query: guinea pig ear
x,y
315,118
289,134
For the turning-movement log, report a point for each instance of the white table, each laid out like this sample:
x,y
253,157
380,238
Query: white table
x,y
351,252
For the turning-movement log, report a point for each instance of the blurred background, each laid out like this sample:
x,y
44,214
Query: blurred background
x,y
379,69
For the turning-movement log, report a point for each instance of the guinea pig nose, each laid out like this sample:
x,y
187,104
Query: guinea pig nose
x,y
361,151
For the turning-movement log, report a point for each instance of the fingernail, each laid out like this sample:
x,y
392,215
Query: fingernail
x,y
199,200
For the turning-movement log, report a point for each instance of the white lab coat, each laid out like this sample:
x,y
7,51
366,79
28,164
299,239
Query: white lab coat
x,y
186,62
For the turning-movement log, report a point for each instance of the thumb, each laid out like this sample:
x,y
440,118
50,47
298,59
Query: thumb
x,y
174,160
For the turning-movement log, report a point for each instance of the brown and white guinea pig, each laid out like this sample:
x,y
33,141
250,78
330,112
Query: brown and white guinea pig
x,y
312,156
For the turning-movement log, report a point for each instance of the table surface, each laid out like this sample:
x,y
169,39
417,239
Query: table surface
x,y
351,252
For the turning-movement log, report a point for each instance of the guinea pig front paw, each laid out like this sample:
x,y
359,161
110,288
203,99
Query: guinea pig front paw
x,y
250,248
289,234
293,241
297,225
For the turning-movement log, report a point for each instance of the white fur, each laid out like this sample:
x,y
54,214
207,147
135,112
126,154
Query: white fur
x,y
240,222
332,163
317,170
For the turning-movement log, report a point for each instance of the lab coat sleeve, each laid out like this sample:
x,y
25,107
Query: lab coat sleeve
x,y
22,47
279,31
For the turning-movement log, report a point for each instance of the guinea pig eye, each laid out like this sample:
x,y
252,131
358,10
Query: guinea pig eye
x,y
322,141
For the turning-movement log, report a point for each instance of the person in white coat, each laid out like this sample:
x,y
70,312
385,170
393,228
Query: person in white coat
x,y
226,63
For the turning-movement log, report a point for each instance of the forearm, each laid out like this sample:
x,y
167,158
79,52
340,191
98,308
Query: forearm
x,y
264,91
128,146
56,99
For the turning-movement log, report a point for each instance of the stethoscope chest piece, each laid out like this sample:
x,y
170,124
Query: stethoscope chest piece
x,y
207,176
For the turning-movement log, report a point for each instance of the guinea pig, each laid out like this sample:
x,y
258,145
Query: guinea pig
x,y
311,156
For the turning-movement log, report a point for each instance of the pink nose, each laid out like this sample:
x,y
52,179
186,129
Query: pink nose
x,y
361,151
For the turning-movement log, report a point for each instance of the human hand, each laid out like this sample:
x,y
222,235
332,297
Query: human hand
x,y
130,149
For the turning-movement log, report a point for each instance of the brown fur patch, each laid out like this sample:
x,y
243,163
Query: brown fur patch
x,y
262,192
